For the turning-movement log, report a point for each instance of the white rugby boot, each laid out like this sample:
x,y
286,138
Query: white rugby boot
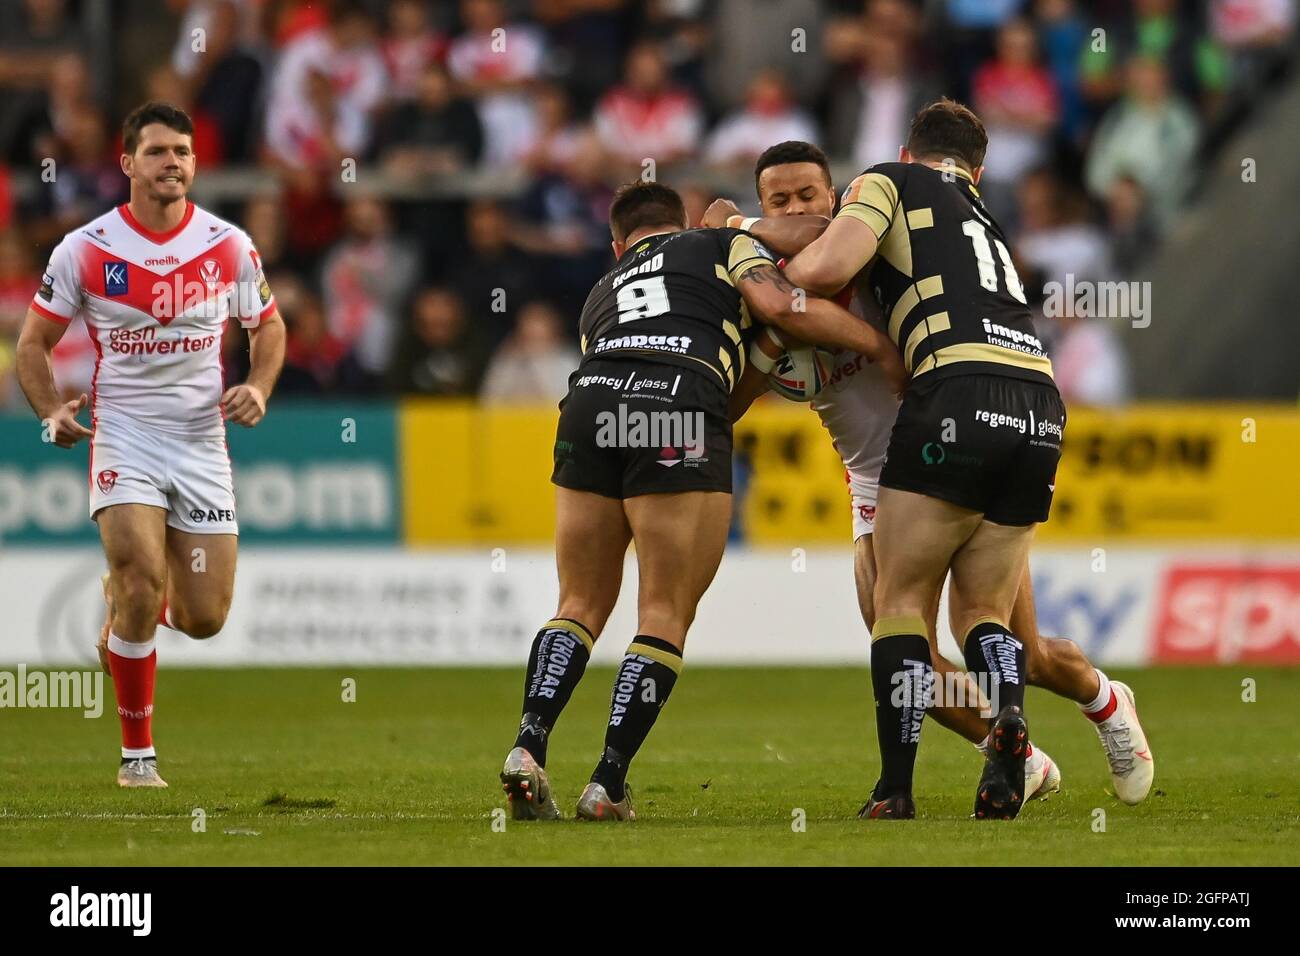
x,y
1132,768
1042,776
140,772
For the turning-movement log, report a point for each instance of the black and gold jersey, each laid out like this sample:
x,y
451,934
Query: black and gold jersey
x,y
673,299
943,275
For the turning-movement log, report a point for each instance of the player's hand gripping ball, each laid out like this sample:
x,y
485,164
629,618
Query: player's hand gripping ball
x,y
797,374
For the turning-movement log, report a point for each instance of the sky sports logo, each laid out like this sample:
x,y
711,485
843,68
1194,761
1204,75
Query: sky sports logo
x,y
76,909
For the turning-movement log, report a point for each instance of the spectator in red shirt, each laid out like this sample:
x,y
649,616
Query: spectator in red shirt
x,y
1016,97
647,117
410,46
312,356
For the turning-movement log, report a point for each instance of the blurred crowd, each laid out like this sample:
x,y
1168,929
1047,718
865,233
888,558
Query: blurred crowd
x,y
1100,115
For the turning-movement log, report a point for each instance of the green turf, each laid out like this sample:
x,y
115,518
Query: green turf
x,y
287,773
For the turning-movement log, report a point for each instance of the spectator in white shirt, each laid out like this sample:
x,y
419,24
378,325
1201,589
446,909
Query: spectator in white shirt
x,y
646,117
325,90
494,61
769,116
534,363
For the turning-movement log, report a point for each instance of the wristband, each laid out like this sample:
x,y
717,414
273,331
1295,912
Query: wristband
x,y
760,359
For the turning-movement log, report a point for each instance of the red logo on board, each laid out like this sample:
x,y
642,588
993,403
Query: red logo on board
x,y
1225,612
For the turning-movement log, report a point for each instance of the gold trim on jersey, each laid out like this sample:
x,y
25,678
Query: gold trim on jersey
x,y
725,361
743,253
983,352
927,288
956,170
923,330
920,218
873,200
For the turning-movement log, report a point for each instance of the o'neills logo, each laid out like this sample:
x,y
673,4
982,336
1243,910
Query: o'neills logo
x,y
135,714
164,261
106,479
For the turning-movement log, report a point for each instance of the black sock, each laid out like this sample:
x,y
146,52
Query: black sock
x,y
902,679
991,649
555,665
641,688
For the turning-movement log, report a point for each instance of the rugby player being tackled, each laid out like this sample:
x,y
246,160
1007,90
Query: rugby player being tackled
x,y
643,455
793,180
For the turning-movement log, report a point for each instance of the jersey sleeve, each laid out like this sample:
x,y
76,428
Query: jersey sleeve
x,y
872,199
59,297
743,253
253,300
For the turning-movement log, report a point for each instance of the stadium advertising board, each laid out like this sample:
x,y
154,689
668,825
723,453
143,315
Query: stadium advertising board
x,y
481,606
323,474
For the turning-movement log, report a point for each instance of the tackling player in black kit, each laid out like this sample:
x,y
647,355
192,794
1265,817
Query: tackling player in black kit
x,y
643,454
971,462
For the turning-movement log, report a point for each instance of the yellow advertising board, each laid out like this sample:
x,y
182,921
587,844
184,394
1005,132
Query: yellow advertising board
x,y
480,476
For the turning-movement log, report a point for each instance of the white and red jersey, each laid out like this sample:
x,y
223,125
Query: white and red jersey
x,y
156,305
858,408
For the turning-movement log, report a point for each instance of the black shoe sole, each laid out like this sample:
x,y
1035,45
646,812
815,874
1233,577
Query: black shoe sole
x,y
1001,789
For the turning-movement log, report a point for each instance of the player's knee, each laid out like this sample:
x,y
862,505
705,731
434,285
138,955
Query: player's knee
x,y
138,592
201,626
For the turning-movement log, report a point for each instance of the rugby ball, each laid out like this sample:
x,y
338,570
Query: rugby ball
x,y
800,374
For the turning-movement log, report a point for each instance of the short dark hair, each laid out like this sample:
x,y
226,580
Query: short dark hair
x,y
173,117
791,151
640,204
948,130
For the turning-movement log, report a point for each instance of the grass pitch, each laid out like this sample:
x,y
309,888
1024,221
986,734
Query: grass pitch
x,y
285,772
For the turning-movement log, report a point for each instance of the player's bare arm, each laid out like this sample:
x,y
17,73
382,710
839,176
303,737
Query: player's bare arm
x,y
753,383
831,260
773,299
36,377
784,235
245,404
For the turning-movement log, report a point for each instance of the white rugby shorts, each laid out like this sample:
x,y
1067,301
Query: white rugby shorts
x,y
190,478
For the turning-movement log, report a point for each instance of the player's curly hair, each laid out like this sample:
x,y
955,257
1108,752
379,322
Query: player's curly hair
x,y
173,117
640,204
792,151
948,130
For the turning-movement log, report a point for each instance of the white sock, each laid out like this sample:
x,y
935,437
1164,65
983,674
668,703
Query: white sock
x,y
1103,695
135,753
128,649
